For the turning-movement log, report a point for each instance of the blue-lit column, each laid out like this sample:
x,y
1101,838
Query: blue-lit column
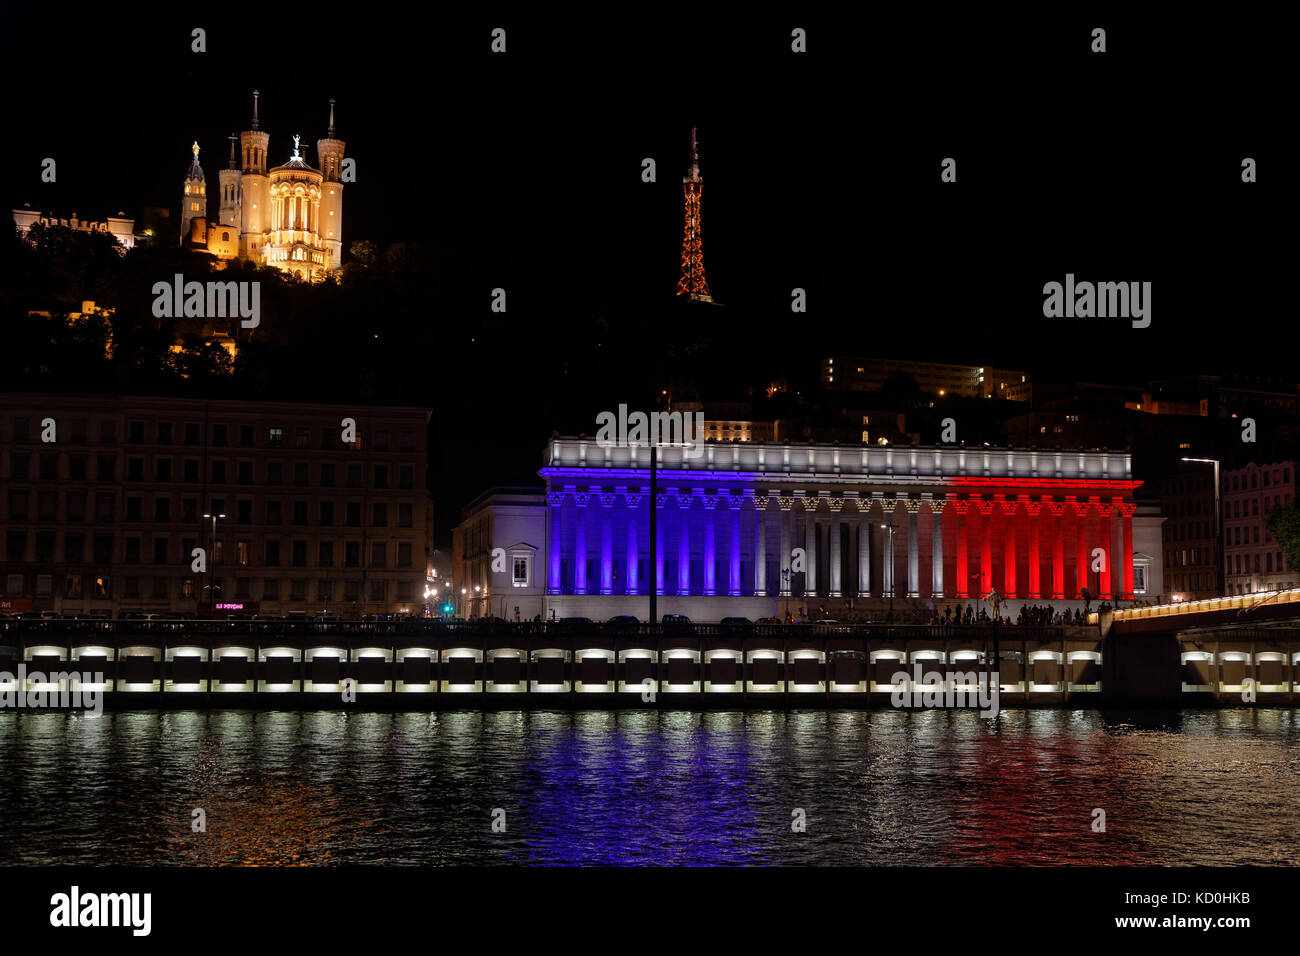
x,y
733,564
556,539
606,546
710,540
683,544
888,506
580,545
833,555
659,546
760,546
783,566
632,499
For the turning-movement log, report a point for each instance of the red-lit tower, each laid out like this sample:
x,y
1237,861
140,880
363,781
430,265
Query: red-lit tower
x,y
692,283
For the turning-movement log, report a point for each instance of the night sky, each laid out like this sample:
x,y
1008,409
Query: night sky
x,y
821,171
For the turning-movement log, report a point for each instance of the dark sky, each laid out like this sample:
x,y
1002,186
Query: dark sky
x,y
821,171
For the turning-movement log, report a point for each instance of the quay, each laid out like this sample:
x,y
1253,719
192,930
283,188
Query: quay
x,y
423,664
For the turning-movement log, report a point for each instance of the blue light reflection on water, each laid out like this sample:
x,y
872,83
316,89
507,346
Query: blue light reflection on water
x,y
641,787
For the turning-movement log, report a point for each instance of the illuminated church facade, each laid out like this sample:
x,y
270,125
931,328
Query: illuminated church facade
x,y
288,216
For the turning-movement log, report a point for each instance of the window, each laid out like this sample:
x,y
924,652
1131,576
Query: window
x,y
352,554
381,476
162,470
245,472
45,547
218,472
297,590
77,467
78,431
104,506
351,590
300,512
354,476
132,587
164,433
135,433
244,511
103,548
275,437
191,433
245,436
324,590
46,505
325,555
300,474
378,554
132,550
191,471
327,513
327,476
72,586
18,505
405,477
189,509
49,467
274,473
187,587
162,510
242,590
381,441
379,515
302,438
105,467
378,590
74,546
107,432
18,465
406,441
159,550
134,507
354,514
103,587
404,517
272,554
327,439
273,512
219,436
241,552
271,589
135,469
300,554
404,554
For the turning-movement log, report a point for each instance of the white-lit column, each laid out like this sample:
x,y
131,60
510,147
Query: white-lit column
x,y
810,545
760,546
864,548
783,565
936,547
833,552
913,548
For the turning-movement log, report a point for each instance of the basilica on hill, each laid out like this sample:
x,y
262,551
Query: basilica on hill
x,y
288,216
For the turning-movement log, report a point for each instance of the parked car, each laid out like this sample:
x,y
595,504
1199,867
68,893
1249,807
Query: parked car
x,y
623,619
768,620
575,620
736,620
675,621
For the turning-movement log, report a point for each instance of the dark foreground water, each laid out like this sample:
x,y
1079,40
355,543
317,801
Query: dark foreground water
x,y
874,787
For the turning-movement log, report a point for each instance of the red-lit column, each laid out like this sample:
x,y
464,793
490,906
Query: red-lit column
x,y
1009,562
986,547
1080,509
1126,510
1032,511
962,570
1058,548
1107,575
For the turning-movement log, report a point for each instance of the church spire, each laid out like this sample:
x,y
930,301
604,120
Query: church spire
x,y
196,171
255,95
330,132
232,163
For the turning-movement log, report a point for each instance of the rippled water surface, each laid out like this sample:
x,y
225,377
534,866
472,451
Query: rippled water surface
x,y
874,787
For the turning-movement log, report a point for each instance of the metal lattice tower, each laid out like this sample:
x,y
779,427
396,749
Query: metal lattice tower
x,y
692,283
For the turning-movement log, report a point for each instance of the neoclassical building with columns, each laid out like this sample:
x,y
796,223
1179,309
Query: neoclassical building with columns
x,y
761,529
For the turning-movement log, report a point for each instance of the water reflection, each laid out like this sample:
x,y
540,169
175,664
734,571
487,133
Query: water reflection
x,y
638,787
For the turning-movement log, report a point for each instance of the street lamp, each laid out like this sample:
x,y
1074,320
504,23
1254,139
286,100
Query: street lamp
x,y
1218,524
890,568
212,561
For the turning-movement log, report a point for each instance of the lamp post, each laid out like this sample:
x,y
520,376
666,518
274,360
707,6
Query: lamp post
x,y
1218,523
461,611
785,591
212,561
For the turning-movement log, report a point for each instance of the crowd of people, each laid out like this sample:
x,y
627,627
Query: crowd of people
x,y
1030,615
